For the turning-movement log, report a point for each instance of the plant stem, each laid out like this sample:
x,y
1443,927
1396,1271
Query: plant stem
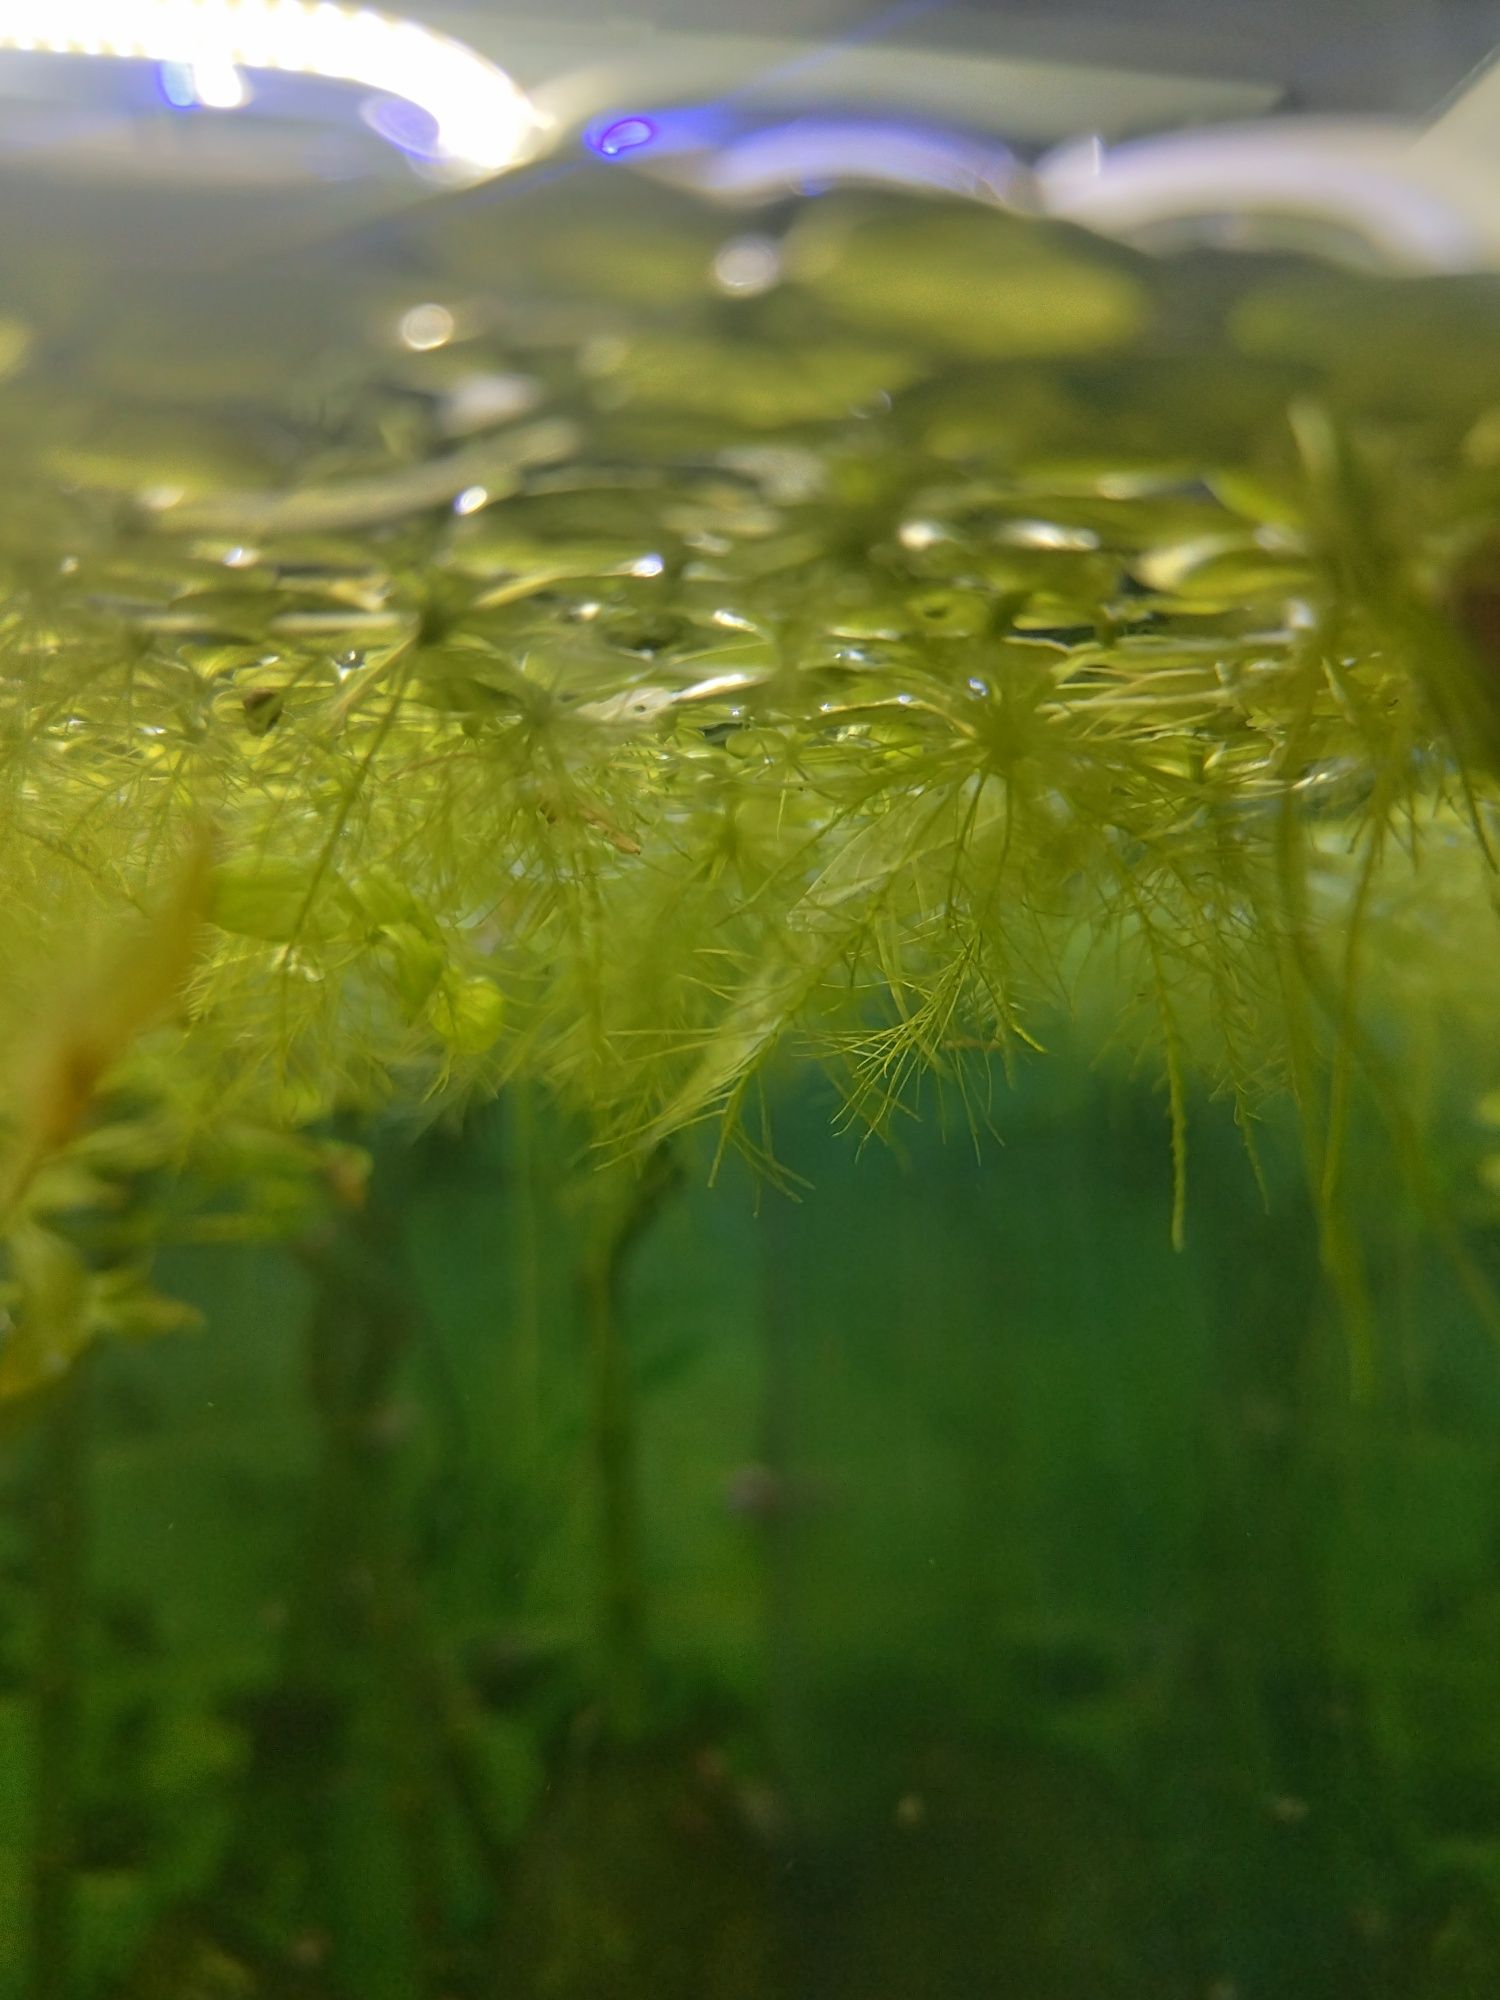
x,y
358,1640
359,1334
61,1550
779,1331
525,1244
612,1441
612,1447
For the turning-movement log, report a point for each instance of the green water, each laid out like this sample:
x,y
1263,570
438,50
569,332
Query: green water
x,y
1021,1608
553,1568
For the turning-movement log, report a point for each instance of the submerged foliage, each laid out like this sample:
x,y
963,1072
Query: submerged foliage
x,y
545,652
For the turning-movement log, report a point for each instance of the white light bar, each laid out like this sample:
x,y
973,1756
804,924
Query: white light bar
x,y
484,122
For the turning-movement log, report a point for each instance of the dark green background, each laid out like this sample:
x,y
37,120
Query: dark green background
x,y
1026,1610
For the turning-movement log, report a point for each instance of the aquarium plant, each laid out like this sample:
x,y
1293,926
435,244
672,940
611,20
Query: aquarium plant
x,y
590,653
974,626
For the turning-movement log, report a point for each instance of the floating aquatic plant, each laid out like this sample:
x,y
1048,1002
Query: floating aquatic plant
x,y
607,682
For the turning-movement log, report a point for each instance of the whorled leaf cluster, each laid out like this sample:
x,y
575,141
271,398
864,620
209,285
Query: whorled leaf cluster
x,y
563,665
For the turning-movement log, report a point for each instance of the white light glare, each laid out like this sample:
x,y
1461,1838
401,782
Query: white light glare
x,y
484,122
220,86
216,85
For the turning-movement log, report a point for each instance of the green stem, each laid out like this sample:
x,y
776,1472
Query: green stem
x,y
779,1331
360,1607
612,1441
61,1549
359,1334
612,1448
525,1247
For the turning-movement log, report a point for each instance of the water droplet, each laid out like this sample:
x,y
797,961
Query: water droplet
x,y
471,500
425,327
747,266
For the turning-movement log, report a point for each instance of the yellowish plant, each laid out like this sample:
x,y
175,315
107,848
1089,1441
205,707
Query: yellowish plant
x,y
832,673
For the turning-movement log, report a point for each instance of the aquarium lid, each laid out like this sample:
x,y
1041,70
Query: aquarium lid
x,y
576,70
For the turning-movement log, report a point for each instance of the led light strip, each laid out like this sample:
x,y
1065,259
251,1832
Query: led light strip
x,y
484,121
